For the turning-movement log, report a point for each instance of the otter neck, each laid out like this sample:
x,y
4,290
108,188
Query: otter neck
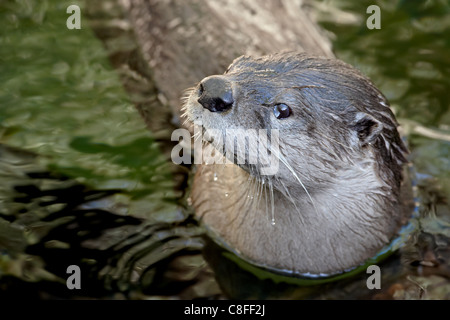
x,y
354,202
348,215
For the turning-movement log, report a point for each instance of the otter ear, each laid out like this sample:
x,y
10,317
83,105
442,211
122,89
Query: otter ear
x,y
366,128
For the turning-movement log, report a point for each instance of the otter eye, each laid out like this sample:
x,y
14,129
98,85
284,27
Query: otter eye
x,y
281,111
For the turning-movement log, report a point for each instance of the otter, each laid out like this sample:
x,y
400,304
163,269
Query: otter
x,y
337,196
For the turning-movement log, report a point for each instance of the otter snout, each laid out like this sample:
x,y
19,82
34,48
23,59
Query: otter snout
x,y
216,94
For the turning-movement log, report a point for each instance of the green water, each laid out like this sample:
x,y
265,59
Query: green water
x,y
61,99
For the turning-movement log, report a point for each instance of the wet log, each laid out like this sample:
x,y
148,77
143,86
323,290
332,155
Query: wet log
x,y
185,41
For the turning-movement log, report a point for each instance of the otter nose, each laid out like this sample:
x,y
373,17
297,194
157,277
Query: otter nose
x,y
216,94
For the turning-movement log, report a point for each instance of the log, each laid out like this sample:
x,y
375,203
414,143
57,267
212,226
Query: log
x,y
184,41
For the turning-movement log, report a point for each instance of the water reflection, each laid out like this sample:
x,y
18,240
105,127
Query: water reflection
x,y
94,186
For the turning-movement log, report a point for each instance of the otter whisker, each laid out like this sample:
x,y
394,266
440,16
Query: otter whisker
x,y
184,114
198,135
185,95
261,188
265,197
257,189
288,166
250,190
289,197
272,204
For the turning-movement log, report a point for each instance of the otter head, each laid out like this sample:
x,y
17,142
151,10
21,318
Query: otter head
x,y
335,190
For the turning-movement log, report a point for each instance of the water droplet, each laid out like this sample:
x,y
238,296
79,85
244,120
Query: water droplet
x,y
215,176
226,194
273,222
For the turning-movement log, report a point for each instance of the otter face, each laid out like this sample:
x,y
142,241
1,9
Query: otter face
x,y
327,115
334,199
